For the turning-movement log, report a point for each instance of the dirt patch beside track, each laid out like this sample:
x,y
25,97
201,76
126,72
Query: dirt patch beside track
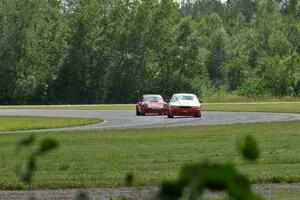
x,y
143,193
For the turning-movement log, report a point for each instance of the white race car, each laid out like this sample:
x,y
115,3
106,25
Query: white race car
x,y
184,105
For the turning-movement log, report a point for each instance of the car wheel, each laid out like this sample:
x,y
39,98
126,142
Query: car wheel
x,y
170,116
137,111
198,115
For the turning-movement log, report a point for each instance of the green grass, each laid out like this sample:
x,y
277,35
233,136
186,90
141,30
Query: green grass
x,y
73,107
292,107
229,98
17,123
102,159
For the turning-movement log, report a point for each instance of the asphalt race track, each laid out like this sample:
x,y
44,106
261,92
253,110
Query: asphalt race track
x,y
128,119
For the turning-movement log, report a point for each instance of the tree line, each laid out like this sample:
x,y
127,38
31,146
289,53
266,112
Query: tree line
x,y
112,51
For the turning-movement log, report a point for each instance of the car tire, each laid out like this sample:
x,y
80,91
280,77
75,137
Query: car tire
x,y
170,116
198,115
137,111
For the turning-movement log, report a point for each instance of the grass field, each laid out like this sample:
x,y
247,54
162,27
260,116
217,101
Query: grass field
x,y
17,123
102,159
230,98
286,107
73,107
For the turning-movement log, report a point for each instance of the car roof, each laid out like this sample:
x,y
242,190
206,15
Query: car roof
x,y
182,94
151,95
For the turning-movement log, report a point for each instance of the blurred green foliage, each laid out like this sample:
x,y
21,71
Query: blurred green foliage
x,y
195,178
82,196
26,170
129,179
249,148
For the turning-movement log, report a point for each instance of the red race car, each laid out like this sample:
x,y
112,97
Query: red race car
x,y
151,103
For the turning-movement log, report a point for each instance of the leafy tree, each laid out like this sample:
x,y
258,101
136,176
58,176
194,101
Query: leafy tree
x,y
34,39
217,50
112,51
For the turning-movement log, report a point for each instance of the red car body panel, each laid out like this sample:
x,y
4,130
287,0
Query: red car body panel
x,y
184,111
154,107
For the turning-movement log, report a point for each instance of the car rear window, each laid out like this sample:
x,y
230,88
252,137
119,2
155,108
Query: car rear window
x,y
187,98
152,98
184,97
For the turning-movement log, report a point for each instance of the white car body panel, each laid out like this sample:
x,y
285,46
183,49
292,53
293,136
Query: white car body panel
x,y
178,100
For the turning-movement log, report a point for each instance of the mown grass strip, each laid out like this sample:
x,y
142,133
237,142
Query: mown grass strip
x,y
229,98
276,107
280,107
103,158
18,123
72,107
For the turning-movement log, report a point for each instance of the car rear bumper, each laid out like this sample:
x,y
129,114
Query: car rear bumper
x,y
181,111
